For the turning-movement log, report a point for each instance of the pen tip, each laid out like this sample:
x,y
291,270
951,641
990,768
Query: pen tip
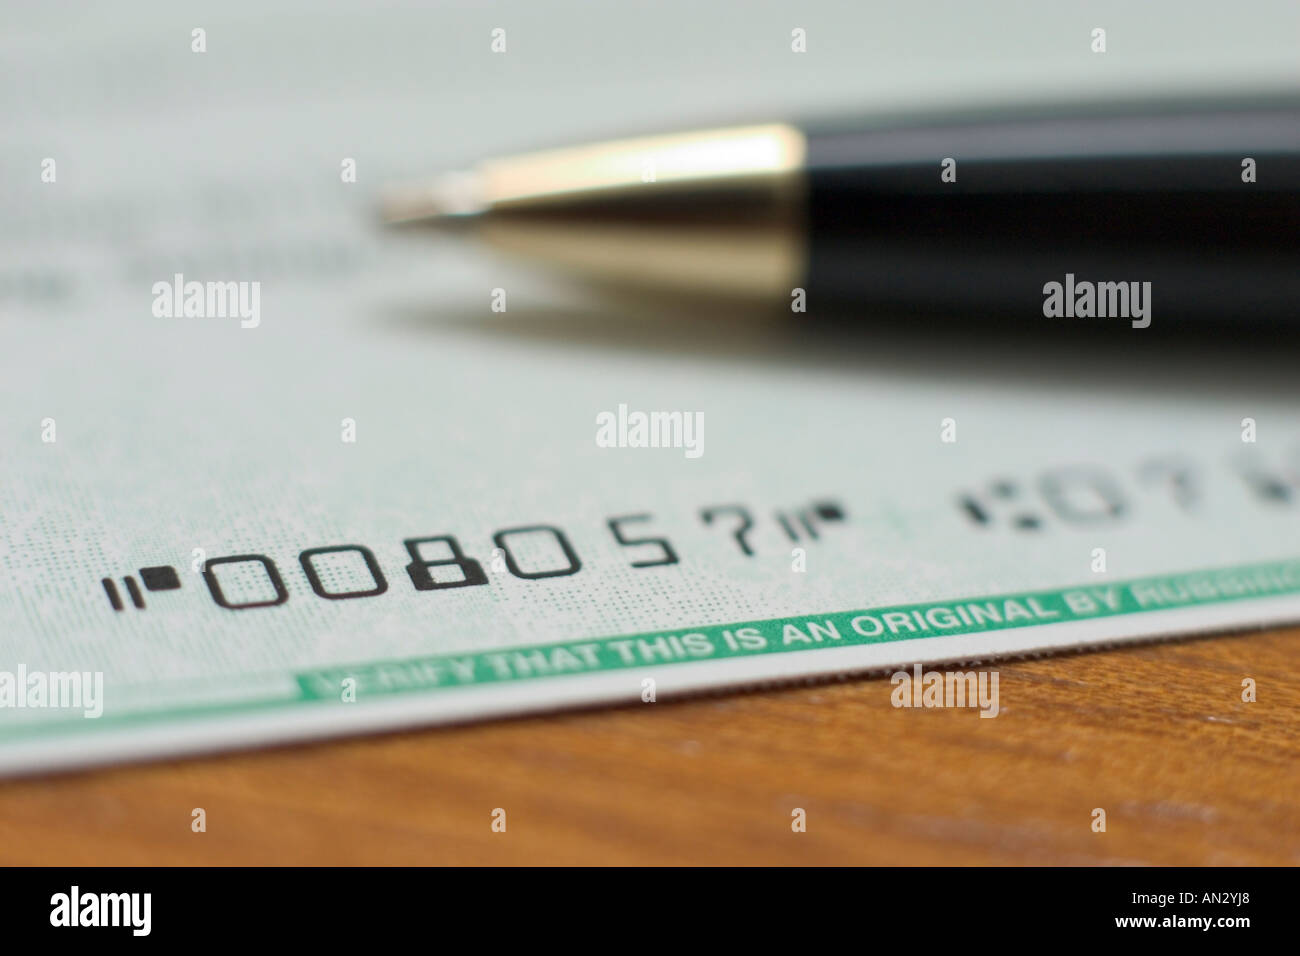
x,y
449,198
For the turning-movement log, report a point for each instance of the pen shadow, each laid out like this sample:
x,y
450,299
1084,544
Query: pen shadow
x,y
1201,359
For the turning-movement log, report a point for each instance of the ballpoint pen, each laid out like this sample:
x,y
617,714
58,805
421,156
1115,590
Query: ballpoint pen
x,y
1069,214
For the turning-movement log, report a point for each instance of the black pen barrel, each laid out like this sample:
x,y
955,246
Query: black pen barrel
x,y
1205,206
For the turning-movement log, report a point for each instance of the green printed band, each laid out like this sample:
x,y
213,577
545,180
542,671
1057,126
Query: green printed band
x,y
807,632
722,641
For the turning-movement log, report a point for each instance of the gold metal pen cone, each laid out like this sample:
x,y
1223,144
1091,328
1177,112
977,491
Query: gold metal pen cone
x,y
716,211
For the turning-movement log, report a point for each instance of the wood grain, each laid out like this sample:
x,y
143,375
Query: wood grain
x,y
1156,734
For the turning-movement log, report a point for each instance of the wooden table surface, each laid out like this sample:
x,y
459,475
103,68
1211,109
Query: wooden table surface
x,y
1155,734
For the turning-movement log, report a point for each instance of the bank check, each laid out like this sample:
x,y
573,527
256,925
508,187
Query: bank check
x,y
269,475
